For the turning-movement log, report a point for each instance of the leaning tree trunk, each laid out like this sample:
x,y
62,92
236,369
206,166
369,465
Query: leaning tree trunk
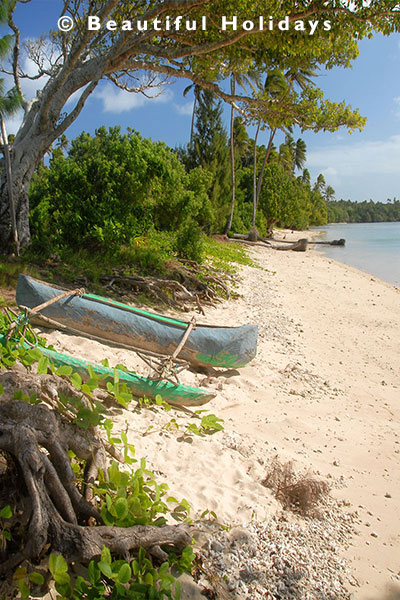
x,y
233,171
253,221
20,185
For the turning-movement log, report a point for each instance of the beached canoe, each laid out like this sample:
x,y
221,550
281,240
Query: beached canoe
x,y
109,320
179,395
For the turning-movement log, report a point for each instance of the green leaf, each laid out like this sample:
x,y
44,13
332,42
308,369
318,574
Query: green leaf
x,y
105,568
1,390
106,555
76,380
6,512
64,589
121,507
93,572
42,365
61,578
36,578
57,564
148,578
81,585
124,573
64,371
24,589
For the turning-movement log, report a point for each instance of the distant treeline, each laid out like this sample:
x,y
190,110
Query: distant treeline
x,y
346,211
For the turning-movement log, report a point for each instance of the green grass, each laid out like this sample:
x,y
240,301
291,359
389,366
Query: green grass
x,y
10,268
150,254
226,256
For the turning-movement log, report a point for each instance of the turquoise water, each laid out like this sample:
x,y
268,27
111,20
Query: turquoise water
x,y
370,247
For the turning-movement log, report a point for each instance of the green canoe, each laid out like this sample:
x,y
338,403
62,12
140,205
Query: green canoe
x,y
180,395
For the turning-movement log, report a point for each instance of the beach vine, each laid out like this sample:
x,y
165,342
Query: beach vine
x,y
111,519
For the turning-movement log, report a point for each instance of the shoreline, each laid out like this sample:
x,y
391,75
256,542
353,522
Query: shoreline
x,y
322,392
366,249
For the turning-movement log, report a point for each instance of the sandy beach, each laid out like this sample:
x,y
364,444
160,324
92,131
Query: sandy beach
x,y
322,392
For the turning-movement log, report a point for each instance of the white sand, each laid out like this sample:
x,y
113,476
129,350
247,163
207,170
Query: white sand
x,y
323,391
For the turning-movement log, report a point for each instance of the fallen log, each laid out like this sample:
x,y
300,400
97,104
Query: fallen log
x,y
299,246
340,242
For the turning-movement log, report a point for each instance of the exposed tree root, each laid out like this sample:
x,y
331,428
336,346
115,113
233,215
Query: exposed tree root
x,y
188,284
34,442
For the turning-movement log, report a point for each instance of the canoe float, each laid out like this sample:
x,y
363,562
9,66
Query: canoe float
x,y
180,395
109,320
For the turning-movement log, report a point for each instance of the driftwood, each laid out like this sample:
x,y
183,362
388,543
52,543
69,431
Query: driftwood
x,y
37,477
340,242
253,238
298,246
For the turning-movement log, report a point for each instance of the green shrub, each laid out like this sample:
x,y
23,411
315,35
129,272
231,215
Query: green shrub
x,y
189,241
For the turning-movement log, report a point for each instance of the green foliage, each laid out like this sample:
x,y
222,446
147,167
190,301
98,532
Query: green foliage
x,y
210,153
345,211
227,256
6,513
126,498
189,241
209,424
109,190
133,498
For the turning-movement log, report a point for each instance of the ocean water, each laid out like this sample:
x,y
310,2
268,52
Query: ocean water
x,y
370,247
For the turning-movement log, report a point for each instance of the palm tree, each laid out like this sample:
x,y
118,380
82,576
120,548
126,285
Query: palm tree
x,y
276,84
300,154
63,143
250,78
197,90
292,155
329,193
320,184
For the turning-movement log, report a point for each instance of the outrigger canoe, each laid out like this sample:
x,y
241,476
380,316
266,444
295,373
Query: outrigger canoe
x,y
111,321
180,395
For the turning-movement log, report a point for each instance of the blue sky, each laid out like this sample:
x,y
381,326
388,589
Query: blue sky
x,y
359,166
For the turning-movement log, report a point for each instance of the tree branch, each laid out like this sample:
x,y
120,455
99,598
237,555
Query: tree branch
x,y
69,119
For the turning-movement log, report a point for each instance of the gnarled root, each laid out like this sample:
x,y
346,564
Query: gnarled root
x,y
38,440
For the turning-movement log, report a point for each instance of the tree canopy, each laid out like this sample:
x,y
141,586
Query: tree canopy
x,y
268,34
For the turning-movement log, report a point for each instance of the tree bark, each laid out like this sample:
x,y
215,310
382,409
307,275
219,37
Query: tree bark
x,y
7,160
57,510
42,125
233,169
253,222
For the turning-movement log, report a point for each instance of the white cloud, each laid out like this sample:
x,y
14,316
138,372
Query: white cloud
x,y
116,100
184,109
331,176
362,158
13,123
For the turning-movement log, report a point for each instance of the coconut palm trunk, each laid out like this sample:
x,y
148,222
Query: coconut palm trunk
x,y
233,169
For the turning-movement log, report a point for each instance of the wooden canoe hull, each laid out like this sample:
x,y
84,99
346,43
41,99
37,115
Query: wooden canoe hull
x,y
178,395
112,321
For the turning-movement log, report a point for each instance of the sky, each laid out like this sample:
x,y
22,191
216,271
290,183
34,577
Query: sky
x,y
359,166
